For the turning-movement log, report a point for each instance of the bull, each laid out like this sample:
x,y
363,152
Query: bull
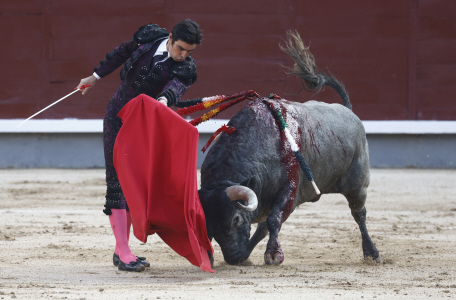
x,y
252,176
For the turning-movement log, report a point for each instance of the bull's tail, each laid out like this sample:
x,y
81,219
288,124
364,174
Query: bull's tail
x,y
306,69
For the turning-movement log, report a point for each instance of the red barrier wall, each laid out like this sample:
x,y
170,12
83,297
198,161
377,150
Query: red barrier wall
x,y
396,58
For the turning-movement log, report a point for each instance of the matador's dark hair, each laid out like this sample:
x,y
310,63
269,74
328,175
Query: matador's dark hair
x,y
187,31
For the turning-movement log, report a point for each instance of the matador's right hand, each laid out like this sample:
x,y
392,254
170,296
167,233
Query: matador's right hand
x,y
88,80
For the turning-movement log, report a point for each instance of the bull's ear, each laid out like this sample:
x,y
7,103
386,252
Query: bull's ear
x,y
250,183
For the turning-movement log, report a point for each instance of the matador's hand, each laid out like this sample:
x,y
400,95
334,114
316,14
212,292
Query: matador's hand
x,y
88,80
163,100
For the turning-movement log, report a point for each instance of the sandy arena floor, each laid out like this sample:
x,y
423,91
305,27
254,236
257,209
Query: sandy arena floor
x,y
55,243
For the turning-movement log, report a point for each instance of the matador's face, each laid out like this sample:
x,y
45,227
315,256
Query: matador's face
x,y
179,50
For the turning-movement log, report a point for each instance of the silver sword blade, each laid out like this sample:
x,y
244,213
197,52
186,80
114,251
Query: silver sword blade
x,y
48,106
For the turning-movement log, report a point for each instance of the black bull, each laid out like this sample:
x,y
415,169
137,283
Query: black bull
x,y
257,156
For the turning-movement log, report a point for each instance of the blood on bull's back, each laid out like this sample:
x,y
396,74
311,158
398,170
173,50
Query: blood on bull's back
x,y
329,136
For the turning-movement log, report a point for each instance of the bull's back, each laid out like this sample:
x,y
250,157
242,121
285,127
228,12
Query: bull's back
x,y
329,136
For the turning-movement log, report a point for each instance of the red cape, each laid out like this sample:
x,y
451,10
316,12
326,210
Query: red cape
x,y
155,158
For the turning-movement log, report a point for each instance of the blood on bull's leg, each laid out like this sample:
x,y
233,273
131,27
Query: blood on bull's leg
x,y
283,206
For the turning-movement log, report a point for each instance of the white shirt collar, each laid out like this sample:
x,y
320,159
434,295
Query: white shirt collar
x,y
162,48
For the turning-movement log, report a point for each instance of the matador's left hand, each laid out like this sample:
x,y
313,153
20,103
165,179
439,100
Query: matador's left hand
x,y
163,100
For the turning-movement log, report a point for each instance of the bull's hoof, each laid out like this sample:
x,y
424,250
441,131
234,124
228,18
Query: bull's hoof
x,y
275,258
273,254
373,260
371,253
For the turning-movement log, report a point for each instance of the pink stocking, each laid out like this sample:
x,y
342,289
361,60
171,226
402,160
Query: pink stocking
x,y
119,221
128,226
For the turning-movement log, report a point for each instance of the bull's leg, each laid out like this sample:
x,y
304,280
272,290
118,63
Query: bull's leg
x,y
211,258
354,187
274,254
369,249
358,211
260,233
282,208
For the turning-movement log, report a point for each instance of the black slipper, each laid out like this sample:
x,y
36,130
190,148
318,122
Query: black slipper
x,y
133,266
139,259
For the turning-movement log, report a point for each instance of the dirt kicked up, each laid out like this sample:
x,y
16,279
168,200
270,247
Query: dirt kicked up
x,y
55,243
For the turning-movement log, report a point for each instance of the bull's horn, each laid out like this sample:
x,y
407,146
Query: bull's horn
x,y
239,192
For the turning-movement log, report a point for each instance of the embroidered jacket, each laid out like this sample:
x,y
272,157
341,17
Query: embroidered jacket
x,y
170,79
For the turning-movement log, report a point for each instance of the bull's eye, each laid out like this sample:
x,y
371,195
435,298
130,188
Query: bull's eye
x,y
237,221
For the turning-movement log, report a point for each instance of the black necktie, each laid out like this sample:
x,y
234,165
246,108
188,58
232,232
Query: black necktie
x,y
159,57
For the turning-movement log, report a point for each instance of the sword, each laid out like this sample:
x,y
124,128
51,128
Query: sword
x,y
76,90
